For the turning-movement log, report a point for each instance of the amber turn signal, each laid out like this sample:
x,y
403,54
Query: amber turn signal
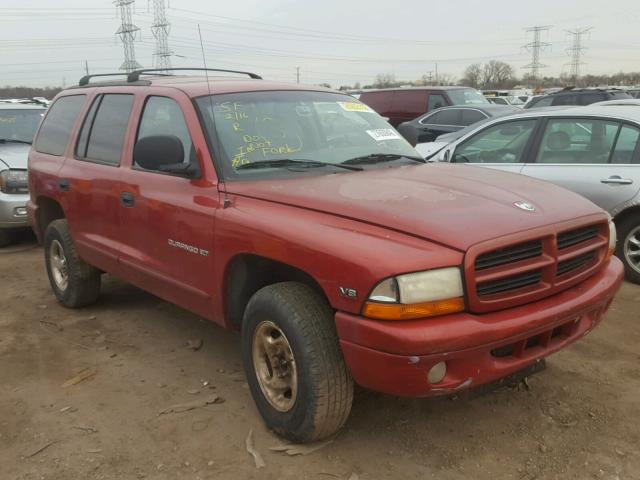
x,y
399,311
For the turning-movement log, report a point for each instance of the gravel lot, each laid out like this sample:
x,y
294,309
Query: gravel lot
x,y
578,419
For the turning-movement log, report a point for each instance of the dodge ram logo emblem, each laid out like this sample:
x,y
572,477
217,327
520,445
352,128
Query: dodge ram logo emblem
x,y
525,206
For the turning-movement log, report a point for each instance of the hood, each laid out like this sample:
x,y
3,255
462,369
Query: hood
x,y
14,155
454,205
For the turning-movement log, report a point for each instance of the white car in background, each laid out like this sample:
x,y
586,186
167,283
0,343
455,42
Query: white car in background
x,y
592,150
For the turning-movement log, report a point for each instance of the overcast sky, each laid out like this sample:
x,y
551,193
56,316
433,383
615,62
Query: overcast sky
x,y
334,41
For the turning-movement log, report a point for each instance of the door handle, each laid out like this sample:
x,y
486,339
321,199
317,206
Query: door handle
x,y
127,200
64,185
616,180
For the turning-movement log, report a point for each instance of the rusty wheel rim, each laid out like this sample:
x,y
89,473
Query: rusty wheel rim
x,y
275,366
58,264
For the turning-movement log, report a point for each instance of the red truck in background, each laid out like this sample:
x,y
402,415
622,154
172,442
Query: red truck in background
x,y
299,217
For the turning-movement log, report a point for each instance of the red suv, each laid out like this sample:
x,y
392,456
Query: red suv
x,y
299,217
404,104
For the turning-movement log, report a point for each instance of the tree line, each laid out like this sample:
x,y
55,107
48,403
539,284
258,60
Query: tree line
x,y
28,92
499,75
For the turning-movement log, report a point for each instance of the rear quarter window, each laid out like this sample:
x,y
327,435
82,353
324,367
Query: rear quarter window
x,y
57,126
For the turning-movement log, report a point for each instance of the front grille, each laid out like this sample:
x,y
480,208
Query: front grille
x,y
512,254
510,283
574,237
503,273
575,263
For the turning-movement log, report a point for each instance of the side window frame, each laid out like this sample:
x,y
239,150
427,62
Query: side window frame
x,y
533,152
635,155
90,116
528,146
73,131
138,168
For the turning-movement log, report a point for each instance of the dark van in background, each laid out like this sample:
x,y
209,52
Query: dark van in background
x,y
404,104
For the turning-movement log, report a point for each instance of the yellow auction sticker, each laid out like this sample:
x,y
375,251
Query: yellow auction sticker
x,y
355,107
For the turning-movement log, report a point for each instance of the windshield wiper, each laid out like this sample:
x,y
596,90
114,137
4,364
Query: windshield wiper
x,y
11,140
380,158
290,162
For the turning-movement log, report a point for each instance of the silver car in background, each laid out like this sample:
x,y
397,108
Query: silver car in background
x,y
18,124
592,150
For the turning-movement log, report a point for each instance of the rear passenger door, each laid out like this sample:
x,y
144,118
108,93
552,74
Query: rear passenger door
x,y
597,158
90,181
168,219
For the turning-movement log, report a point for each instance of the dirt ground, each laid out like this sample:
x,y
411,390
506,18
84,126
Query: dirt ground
x,y
578,419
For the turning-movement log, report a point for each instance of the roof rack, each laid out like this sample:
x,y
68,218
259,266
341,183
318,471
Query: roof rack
x,y
135,75
85,80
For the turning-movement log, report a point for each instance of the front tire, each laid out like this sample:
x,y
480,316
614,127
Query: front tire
x,y
74,282
628,247
293,362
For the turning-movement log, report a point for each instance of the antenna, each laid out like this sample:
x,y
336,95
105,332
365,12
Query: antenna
x,y
218,154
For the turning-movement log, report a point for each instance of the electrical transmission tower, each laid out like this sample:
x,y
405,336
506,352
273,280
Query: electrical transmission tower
x,y
127,33
535,47
160,29
575,52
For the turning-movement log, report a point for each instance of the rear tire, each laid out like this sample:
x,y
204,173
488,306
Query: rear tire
x,y
74,282
628,247
302,388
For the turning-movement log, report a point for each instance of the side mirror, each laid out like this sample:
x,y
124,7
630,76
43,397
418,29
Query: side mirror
x,y
163,153
446,155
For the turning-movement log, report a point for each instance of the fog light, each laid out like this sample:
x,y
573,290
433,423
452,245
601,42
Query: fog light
x,y
20,211
437,372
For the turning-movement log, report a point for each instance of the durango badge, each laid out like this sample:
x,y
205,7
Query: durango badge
x,y
525,206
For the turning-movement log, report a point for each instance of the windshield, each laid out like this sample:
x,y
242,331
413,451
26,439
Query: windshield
x,y
19,124
316,127
467,96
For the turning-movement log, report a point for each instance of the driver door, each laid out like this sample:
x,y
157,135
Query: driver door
x,y
503,146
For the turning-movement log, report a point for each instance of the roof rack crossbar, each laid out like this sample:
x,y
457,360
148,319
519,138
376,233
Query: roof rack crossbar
x,y
85,80
135,75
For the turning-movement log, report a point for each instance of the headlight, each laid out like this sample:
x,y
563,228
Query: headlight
x,y
14,181
417,295
613,237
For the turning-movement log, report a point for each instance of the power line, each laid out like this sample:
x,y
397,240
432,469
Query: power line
x,y
160,30
127,33
576,50
535,47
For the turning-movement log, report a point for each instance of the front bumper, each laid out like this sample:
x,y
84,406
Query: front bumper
x,y
13,211
395,357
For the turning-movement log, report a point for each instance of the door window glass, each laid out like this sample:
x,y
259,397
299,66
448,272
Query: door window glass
x,y
107,130
589,98
57,125
436,101
501,143
470,116
444,117
565,99
163,116
627,146
541,102
577,141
